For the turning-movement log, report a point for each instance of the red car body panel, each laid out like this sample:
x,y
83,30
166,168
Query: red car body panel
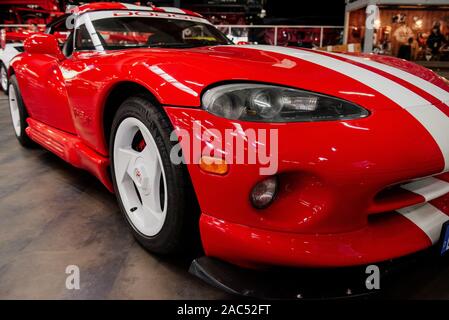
x,y
70,148
384,237
225,64
340,180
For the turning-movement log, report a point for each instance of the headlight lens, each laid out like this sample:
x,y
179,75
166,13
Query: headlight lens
x,y
266,103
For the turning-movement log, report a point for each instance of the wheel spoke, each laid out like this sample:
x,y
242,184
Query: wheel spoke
x,y
139,175
151,161
124,163
147,204
148,220
152,198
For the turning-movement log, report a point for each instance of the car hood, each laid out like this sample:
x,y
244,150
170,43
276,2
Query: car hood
x,y
374,82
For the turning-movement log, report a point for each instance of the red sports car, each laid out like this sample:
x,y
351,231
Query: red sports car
x,y
276,156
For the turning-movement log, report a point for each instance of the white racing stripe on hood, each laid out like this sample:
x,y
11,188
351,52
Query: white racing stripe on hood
x,y
425,85
432,118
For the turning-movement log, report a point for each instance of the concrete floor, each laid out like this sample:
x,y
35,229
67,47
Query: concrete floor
x,y
53,215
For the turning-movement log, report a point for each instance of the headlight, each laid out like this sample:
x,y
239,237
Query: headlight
x,y
266,103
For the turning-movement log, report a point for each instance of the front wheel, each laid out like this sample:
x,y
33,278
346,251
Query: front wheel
x,y
153,193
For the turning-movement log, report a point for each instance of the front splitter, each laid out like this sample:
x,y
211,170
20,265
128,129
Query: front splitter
x,y
305,284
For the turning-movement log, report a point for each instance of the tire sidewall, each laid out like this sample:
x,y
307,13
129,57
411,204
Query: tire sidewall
x,y
167,240
3,67
22,137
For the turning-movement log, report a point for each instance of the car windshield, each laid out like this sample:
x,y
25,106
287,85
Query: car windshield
x,y
134,32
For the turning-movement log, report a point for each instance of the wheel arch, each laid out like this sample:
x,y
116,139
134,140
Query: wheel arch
x,y
116,95
114,98
11,70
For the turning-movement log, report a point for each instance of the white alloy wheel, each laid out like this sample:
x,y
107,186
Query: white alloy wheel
x,y
140,176
14,106
3,78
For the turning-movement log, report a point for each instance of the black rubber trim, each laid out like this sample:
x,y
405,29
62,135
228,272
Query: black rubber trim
x,y
307,283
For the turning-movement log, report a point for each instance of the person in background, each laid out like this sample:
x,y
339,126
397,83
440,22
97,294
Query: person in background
x,y
435,41
421,40
415,49
405,50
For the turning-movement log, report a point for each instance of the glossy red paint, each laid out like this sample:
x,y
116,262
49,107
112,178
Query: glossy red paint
x,y
69,148
43,90
97,6
432,77
88,86
323,167
409,67
42,43
255,248
334,207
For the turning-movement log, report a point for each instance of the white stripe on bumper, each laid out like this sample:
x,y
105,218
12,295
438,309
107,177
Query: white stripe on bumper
x,y
430,188
428,218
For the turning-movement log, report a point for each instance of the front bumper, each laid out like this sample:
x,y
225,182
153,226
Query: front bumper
x,y
386,237
341,201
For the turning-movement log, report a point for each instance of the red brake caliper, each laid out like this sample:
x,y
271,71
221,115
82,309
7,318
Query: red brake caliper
x,y
141,145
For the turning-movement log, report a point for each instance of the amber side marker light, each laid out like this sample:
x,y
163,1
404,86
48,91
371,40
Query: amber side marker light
x,y
213,165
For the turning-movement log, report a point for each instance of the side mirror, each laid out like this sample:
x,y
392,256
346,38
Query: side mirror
x,y
43,43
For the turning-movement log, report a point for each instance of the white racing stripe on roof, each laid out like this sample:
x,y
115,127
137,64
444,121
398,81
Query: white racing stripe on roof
x,y
425,85
134,7
433,119
172,10
98,15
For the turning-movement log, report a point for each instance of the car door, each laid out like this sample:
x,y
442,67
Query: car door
x,y
43,88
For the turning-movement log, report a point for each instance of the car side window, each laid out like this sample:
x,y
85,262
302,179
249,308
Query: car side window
x,y
83,40
67,48
64,35
59,30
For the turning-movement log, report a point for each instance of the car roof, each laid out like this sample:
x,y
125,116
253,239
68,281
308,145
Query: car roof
x,y
99,6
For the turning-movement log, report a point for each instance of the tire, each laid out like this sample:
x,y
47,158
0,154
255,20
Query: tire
x,y
18,114
3,78
139,168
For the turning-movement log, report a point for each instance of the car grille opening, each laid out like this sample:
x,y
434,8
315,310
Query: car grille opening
x,y
410,193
